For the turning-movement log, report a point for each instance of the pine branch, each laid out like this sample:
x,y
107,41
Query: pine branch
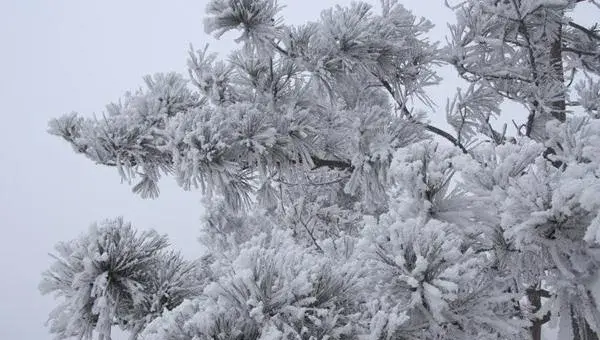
x,y
446,135
591,34
332,164
405,111
317,161
580,52
428,127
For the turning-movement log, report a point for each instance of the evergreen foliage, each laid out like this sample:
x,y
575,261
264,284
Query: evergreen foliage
x,y
115,276
338,211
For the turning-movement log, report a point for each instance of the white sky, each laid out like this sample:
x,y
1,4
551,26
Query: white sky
x,y
70,55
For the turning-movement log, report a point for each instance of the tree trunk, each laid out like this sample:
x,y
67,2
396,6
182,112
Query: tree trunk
x,y
559,106
581,328
534,295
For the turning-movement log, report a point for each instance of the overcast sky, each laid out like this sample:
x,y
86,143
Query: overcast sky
x,y
72,55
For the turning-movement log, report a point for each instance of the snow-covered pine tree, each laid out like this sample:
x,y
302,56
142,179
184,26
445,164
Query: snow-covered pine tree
x,y
113,275
531,53
343,212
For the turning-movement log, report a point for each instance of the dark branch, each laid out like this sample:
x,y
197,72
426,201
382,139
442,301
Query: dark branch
x,y
428,127
446,135
581,52
332,164
589,32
